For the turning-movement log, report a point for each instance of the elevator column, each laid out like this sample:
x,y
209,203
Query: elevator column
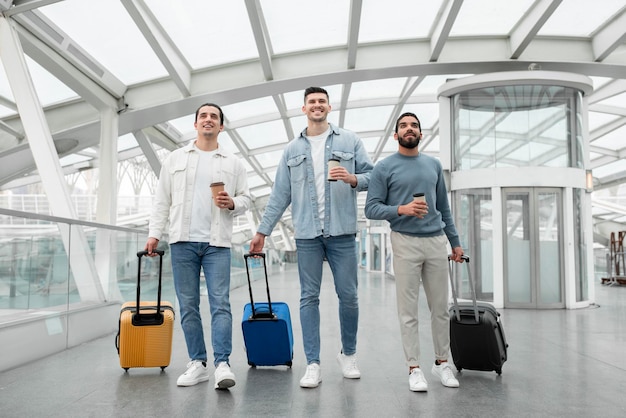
x,y
516,160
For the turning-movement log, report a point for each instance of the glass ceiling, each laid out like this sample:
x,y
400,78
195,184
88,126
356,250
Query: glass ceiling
x,y
158,60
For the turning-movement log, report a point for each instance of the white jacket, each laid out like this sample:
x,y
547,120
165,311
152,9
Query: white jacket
x,y
174,195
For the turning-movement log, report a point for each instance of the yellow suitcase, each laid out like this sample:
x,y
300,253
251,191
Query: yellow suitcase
x,y
144,338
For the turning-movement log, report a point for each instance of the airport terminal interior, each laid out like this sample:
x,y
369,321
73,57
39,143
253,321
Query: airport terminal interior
x,y
523,103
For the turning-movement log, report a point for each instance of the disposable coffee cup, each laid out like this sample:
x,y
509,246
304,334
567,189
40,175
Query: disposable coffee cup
x,y
333,162
215,189
419,197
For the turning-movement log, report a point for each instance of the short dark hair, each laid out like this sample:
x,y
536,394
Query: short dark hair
x,y
213,105
419,125
310,90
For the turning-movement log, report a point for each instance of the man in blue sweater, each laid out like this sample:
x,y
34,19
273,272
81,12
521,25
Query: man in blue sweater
x,y
421,230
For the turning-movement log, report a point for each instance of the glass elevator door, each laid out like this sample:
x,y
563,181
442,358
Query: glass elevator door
x,y
533,248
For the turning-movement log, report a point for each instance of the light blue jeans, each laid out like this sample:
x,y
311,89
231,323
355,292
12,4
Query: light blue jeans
x,y
340,251
187,258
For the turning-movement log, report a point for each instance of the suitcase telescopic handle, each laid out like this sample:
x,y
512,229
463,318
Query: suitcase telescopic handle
x,y
140,254
457,311
267,283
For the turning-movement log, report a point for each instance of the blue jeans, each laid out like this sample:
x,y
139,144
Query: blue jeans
x,y
340,251
187,258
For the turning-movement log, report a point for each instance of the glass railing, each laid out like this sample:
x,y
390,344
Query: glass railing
x,y
52,264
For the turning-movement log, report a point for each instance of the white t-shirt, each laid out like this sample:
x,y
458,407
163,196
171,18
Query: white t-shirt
x,y
318,143
202,205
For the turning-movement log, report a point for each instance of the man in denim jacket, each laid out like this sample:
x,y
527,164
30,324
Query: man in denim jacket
x,y
325,219
200,231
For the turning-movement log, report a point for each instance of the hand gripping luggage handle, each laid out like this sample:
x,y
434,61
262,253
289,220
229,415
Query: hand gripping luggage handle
x,y
148,319
471,283
267,286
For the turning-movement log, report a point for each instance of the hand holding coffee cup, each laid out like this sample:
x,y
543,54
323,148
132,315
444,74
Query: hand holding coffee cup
x,y
421,209
332,163
216,188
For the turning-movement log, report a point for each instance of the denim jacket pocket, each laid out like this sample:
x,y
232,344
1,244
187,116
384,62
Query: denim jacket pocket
x,y
297,168
343,156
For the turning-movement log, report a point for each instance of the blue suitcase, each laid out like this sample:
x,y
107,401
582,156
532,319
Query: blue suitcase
x,y
266,327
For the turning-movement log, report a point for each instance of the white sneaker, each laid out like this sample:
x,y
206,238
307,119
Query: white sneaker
x,y
224,377
312,377
196,372
349,367
445,373
417,381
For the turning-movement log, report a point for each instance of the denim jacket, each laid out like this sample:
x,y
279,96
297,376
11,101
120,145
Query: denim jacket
x,y
174,195
295,185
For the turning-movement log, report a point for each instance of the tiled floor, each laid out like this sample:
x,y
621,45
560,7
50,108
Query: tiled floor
x,y
564,363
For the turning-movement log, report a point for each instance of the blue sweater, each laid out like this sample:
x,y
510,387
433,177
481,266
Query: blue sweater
x,y
393,182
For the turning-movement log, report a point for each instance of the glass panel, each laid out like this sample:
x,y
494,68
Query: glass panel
x,y
517,126
473,209
329,17
518,240
488,17
402,13
187,26
549,220
107,32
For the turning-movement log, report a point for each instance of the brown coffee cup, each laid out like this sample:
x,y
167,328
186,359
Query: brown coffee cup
x,y
332,163
419,197
215,189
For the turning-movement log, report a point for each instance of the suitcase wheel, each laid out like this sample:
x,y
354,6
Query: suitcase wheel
x,y
251,364
126,369
289,364
499,371
163,368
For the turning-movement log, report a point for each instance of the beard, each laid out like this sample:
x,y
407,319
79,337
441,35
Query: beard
x,y
409,143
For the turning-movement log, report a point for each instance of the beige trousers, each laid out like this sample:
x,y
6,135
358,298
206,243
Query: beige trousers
x,y
418,259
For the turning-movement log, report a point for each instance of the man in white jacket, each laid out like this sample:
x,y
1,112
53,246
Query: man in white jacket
x,y
199,234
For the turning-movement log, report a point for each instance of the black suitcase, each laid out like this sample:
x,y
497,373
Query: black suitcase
x,y
477,339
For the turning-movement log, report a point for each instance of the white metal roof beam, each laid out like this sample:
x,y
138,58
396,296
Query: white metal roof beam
x,y
7,103
343,103
609,37
168,53
607,128
608,109
263,45
282,109
245,154
12,7
54,50
616,179
608,90
6,128
450,11
148,151
354,26
528,26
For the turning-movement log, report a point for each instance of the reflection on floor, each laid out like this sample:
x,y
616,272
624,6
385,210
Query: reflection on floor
x,y
561,363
